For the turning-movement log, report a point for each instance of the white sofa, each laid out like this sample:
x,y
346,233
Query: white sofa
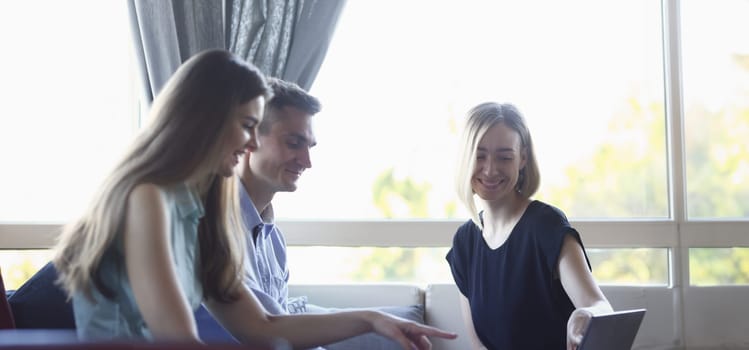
x,y
442,307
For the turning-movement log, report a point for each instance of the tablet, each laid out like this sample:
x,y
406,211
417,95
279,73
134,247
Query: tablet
x,y
612,331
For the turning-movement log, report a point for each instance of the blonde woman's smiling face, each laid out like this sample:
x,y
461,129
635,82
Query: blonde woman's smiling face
x,y
499,159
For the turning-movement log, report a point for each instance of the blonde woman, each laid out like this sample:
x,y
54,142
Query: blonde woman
x,y
164,234
521,269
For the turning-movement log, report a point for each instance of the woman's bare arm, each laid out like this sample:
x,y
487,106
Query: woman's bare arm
x,y
150,268
581,287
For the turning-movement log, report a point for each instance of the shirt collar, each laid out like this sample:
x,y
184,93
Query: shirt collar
x,y
250,214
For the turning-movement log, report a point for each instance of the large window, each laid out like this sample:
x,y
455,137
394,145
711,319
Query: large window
x,y
68,107
588,76
395,97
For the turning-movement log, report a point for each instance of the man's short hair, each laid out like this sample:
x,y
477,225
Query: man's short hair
x,y
287,94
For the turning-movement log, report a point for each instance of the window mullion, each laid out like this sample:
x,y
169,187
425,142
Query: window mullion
x,y
676,149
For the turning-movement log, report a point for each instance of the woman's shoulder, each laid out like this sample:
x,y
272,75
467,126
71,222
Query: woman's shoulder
x,y
466,231
150,191
464,240
146,193
468,227
546,215
545,209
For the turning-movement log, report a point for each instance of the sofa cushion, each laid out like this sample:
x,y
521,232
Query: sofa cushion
x,y
41,303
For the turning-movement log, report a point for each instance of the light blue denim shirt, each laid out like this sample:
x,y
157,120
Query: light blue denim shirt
x,y
120,318
266,273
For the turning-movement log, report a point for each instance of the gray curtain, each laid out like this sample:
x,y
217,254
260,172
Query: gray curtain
x,y
284,38
167,32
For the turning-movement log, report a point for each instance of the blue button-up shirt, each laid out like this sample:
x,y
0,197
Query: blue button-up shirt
x,y
266,273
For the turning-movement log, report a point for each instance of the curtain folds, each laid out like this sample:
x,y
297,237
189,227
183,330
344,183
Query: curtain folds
x,y
260,32
167,32
284,38
315,25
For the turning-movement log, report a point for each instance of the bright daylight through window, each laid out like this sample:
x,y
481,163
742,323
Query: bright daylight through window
x,y
590,78
68,109
393,107
394,100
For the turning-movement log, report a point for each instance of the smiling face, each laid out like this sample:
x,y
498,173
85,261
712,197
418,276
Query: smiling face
x,y
283,153
499,159
241,134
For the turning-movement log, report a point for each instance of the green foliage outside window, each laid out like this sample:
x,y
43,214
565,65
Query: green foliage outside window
x,y
626,176
715,266
641,266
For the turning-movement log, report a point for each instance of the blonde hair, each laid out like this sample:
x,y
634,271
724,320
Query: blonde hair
x,y
180,143
479,120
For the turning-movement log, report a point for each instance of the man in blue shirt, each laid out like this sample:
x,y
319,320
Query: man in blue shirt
x,y
283,143
284,140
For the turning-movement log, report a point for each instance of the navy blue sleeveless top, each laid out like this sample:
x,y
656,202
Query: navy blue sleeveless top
x,y
516,298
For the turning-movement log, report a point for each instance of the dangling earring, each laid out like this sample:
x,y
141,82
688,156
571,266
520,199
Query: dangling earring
x,y
521,179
